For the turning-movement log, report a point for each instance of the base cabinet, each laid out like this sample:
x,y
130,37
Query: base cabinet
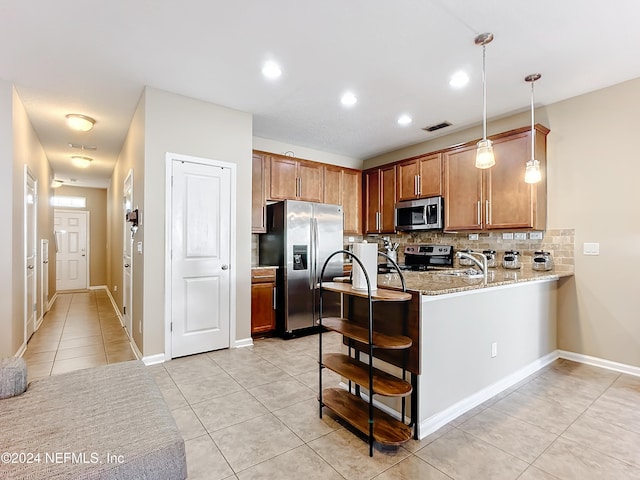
x,y
263,305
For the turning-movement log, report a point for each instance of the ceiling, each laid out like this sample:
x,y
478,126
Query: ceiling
x,y
94,58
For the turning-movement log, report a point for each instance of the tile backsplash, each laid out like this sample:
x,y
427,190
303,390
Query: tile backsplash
x,y
559,242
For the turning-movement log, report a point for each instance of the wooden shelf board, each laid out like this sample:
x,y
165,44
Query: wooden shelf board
x,y
358,372
386,429
380,295
360,334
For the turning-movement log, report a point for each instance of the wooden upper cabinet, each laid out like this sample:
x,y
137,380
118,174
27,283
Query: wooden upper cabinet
x,y
380,199
342,186
258,193
462,190
293,179
419,177
496,198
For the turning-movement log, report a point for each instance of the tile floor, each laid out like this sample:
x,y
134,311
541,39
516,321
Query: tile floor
x,y
81,330
252,413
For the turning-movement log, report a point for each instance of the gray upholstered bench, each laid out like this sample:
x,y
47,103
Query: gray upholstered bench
x,y
107,422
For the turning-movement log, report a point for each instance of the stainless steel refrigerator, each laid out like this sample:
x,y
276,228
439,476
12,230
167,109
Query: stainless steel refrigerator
x,y
300,236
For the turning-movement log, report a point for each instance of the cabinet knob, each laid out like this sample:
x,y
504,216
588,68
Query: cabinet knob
x,y
225,267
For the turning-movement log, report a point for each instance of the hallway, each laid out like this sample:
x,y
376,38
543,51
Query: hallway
x,y
81,330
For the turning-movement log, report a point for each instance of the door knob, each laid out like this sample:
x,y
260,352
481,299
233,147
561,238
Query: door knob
x,y
30,267
225,267
126,265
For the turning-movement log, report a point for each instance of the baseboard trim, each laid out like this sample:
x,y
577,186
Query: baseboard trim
x,y
132,344
153,359
438,420
243,342
21,351
51,302
600,362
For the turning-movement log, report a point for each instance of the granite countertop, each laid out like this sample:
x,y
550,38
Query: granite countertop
x,y
434,283
254,267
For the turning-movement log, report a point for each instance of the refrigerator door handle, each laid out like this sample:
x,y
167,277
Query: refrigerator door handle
x,y
312,254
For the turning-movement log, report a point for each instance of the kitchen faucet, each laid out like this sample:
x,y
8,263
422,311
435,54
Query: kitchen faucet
x,y
482,265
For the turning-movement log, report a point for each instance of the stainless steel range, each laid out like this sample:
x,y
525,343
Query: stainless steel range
x,y
423,257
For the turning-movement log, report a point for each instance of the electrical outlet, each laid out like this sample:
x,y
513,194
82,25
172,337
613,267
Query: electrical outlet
x,y
115,288
494,349
473,236
591,249
507,236
352,239
520,236
535,235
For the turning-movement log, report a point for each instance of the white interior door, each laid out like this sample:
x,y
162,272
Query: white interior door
x,y
72,255
44,277
31,254
200,241
127,263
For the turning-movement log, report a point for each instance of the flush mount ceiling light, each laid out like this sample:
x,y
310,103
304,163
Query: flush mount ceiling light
x,y
348,99
459,80
404,120
271,70
532,172
55,183
484,152
81,162
80,123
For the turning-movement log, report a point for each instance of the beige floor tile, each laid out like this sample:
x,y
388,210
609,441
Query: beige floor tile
x,y
191,368
348,454
81,341
188,423
234,358
117,347
62,366
544,413
415,445
520,439
75,352
412,468
626,390
617,442
568,460
39,357
207,388
123,356
172,395
42,346
534,473
310,379
223,412
204,460
614,412
80,332
303,419
259,373
463,456
280,394
39,370
571,394
254,441
297,464
293,364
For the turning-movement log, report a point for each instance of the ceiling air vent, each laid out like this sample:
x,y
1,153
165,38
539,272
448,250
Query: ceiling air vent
x,y
83,147
437,126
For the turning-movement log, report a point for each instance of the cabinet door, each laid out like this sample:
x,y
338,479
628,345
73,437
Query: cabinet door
x,y
388,199
258,194
263,317
333,185
509,200
311,181
352,201
372,189
462,190
283,178
407,181
430,171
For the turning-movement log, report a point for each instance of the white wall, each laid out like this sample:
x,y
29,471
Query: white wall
x,y
182,125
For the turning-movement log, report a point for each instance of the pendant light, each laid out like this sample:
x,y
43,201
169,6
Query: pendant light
x,y
532,172
484,152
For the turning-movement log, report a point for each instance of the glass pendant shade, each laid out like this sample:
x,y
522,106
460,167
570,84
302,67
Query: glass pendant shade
x,y
484,154
532,173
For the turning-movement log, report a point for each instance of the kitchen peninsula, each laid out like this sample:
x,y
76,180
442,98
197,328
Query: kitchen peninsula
x,y
477,340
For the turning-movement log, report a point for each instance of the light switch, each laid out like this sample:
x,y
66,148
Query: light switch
x,y
520,236
591,249
507,236
535,235
139,246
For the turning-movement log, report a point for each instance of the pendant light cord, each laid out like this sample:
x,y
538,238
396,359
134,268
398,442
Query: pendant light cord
x,y
484,93
533,130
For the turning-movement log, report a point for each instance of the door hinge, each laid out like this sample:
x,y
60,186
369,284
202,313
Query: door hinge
x,y
124,310
171,327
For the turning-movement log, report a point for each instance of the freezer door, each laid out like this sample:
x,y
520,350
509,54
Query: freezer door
x,y
327,239
298,265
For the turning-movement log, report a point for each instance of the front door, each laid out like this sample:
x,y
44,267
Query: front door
x,y
30,208
71,243
200,245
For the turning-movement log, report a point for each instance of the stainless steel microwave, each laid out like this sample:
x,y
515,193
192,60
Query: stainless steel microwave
x,y
422,214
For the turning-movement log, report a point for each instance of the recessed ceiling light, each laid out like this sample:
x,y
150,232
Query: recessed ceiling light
x,y
459,79
80,123
81,162
271,70
348,99
404,120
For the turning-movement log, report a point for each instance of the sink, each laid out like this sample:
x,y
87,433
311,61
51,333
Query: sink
x,y
466,273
